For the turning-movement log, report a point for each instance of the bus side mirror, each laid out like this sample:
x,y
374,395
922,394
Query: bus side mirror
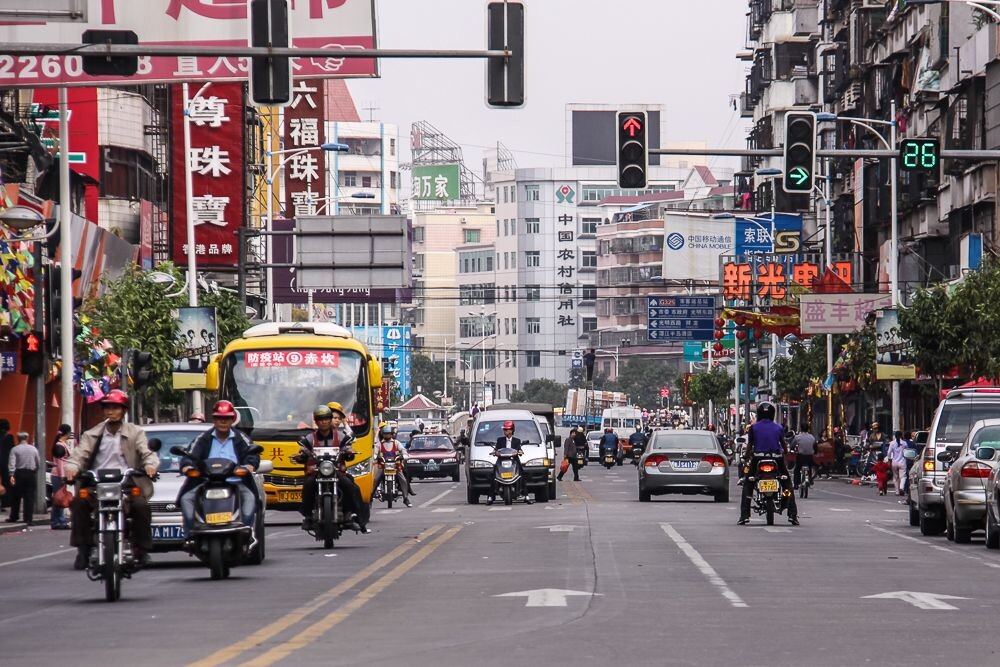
x,y
374,372
212,374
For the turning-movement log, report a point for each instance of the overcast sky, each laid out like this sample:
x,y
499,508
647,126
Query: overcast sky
x,y
678,53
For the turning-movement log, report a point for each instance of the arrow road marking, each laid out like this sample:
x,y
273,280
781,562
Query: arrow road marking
x,y
559,528
929,601
546,597
700,563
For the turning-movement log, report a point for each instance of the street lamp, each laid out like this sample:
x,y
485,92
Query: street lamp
x,y
289,153
482,357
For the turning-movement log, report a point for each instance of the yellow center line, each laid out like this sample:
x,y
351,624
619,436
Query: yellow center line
x,y
571,493
317,630
292,618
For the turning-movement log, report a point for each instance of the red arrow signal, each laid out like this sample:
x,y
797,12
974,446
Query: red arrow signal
x,y
632,125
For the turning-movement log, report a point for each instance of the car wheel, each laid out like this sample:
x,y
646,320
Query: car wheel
x,y
472,497
963,535
992,533
722,496
454,477
542,495
644,496
949,528
914,515
931,525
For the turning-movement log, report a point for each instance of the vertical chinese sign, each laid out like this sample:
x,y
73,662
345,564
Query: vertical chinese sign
x,y
566,268
216,163
304,171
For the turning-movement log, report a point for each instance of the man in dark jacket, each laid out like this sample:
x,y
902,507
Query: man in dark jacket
x,y
609,441
570,454
220,442
506,441
638,442
766,437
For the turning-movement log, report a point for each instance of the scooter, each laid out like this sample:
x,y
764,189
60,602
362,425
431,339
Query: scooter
x,y
111,560
770,488
507,473
390,488
609,458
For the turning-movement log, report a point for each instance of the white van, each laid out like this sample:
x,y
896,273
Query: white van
x,y
535,463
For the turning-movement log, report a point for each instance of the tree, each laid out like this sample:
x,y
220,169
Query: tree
x,y
641,379
930,327
974,319
541,390
795,373
426,374
715,386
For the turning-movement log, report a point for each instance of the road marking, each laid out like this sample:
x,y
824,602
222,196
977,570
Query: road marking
x,y
550,507
847,495
559,528
443,509
929,601
772,529
985,561
317,630
36,557
388,511
294,617
437,498
700,563
897,511
546,597
838,509
500,509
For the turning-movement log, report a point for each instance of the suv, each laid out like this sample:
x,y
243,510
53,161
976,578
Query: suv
x,y
953,420
535,462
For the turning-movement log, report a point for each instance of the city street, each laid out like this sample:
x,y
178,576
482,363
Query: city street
x,y
592,578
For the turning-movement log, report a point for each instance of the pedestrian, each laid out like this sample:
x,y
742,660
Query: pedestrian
x,y
569,457
897,460
197,417
882,470
61,449
6,444
23,465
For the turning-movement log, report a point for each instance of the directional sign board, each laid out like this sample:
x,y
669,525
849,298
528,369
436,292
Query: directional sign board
x,y
681,318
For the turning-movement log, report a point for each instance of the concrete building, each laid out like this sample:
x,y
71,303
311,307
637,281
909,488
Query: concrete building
x,y
369,168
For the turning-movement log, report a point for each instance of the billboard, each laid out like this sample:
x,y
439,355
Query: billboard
x,y
436,182
693,244
392,344
837,313
197,337
892,353
337,25
305,172
772,280
216,162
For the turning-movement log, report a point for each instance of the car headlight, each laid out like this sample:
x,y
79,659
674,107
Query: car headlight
x,y
362,468
535,462
451,460
217,494
326,468
481,464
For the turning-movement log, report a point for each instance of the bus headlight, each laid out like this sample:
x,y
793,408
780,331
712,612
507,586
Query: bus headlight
x,y
362,468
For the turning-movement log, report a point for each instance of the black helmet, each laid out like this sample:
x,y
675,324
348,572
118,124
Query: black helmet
x,y
385,430
766,411
322,412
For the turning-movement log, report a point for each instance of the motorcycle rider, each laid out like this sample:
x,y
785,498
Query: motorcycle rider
x,y
113,443
608,441
506,441
222,441
638,442
582,447
330,432
804,444
766,437
388,443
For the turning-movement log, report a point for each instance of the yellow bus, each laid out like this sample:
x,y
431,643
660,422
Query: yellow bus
x,y
277,374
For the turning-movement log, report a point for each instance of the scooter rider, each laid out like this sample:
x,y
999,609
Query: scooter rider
x,y
113,443
609,441
766,437
506,441
388,443
330,432
638,442
221,442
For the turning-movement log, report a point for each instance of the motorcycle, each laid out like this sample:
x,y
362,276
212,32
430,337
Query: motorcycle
x,y
770,489
390,487
507,471
608,458
112,558
219,538
328,520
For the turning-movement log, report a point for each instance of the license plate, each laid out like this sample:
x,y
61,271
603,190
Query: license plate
x,y
506,475
218,517
289,496
432,466
168,532
767,486
684,465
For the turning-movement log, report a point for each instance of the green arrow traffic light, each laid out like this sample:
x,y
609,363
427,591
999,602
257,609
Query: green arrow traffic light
x,y
800,152
799,175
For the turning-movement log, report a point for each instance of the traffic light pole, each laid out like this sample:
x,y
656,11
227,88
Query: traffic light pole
x,y
39,304
66,274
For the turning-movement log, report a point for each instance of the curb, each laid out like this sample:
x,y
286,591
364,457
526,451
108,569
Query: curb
x,y
16,527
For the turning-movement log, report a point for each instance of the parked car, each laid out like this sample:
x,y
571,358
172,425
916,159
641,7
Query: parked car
x,y
953,420
432,456
991,519
168,525
965,484
689,462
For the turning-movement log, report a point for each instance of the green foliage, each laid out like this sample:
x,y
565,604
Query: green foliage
x,y
929,326
541,390
715,386
426,374
974,319
641,380
793,374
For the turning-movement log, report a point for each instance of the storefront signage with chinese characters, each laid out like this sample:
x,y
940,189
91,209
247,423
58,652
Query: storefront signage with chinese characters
x,y
292,358
304,170
766,280
216,163
436,182
566,269
837,313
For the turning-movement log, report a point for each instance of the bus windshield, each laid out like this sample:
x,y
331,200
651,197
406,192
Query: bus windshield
x,y
275,391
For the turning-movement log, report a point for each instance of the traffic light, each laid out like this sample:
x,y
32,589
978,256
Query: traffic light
x,y
53,307
505,76
923,155
800,152
270,77
633,153
142,369
110,65
32,354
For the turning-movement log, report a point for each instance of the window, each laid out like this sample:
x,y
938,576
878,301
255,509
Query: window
x,y
513,193
506,326
505,196
589,225
506,230
532,293
532,259
589,324
366,181
418,261
418,234
513,259
589,259
392,146
588,293
472,236
534,325
393,180
533,358
513,325
350,179
498,228
530,193
532,226
506,260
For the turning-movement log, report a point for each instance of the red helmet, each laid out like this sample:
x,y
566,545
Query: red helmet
x,y
508,425
711,427
116,397
224,409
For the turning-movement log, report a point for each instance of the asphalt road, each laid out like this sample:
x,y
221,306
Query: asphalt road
x,y
672,582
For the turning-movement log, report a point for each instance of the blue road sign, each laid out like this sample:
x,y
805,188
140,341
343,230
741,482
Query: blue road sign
x,y
681,318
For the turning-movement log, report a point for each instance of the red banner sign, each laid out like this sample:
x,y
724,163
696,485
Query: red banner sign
x,y
216,162
292,359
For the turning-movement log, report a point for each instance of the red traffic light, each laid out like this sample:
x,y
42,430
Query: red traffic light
x,y
31,343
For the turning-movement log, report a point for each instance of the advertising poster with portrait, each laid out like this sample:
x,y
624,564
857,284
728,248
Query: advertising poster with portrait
x,y
892,352
197,340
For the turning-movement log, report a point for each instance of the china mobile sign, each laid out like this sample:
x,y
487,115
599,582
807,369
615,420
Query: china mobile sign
x,y
337,25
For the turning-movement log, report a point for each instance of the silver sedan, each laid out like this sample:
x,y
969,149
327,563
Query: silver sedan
x,y
686,462
968,477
